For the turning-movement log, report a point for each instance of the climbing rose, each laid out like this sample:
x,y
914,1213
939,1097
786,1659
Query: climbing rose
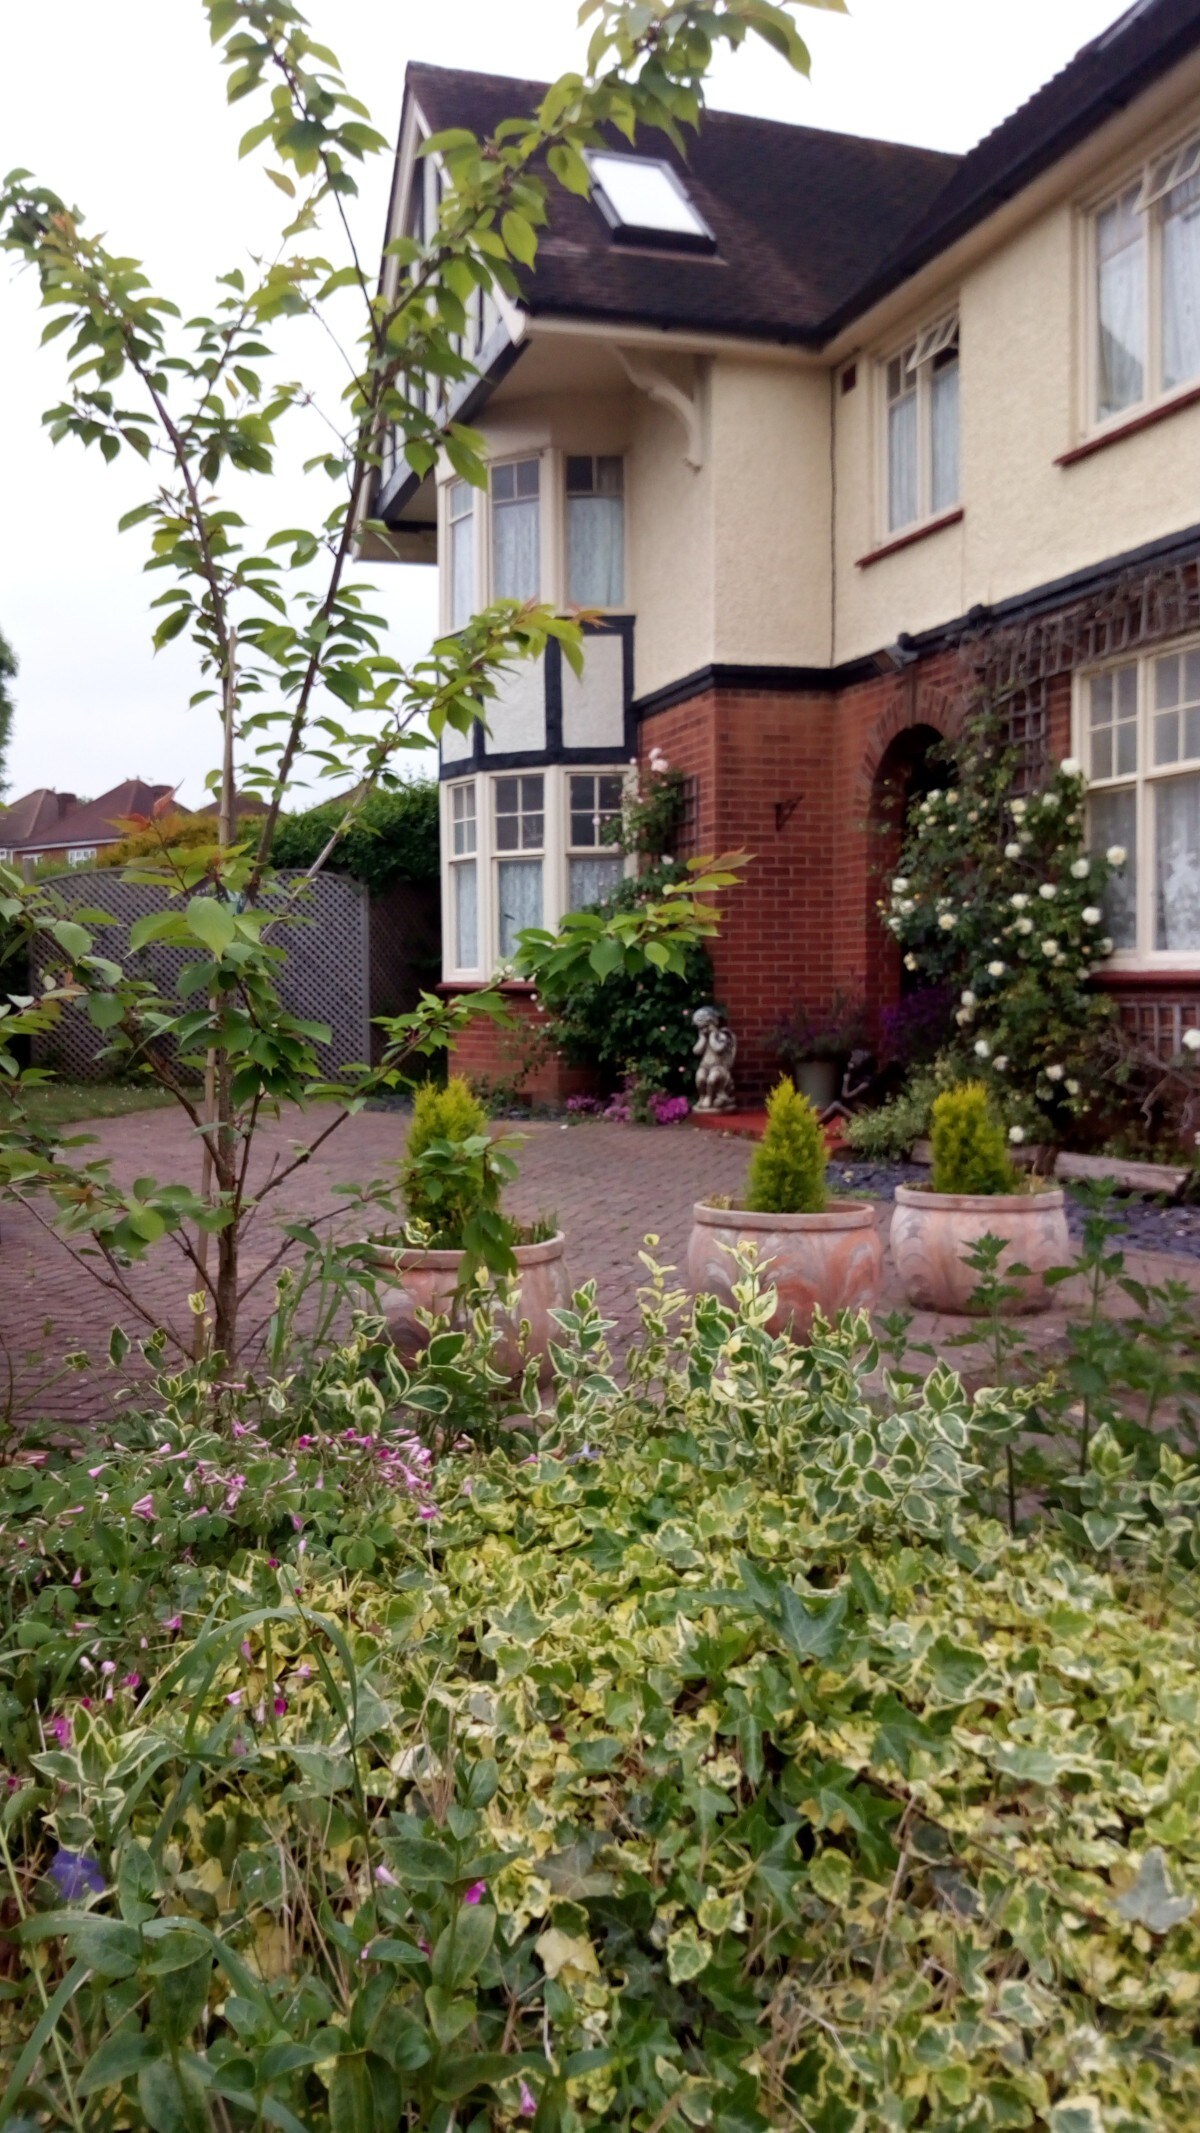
x,y
1116,855
1016,1135
1191,1038
1090,915
995,970
1080,869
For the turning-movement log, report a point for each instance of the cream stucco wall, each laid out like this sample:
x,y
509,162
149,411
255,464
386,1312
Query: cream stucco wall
x,y
770,430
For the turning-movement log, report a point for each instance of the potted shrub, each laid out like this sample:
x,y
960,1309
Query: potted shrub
x,y
975,1192
815,1254
815,1045
451,1179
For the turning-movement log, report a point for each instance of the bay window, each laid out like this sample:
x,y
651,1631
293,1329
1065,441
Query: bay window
x,y
519,827
1141,741
921,384
516,530
595,532
1146,285
594,865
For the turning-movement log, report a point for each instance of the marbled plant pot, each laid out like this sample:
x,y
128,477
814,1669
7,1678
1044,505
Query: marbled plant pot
x,y
428,1281
933,1231
833,1261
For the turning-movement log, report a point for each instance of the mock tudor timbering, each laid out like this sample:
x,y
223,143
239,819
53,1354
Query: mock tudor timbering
x,y
831,433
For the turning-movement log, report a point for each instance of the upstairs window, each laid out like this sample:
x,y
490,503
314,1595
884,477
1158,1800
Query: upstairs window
x,y
516,530
596,532
460,505
923,471
643,202
1146,284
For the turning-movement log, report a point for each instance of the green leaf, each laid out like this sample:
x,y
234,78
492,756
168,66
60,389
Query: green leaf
x,y
449,2014
41,2036
124,2053
172,2098
213,923
463,1945
1151,1901
76,940
519,236
351,2097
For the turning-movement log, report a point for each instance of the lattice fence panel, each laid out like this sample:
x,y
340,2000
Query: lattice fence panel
x,y
1158,1023
405,949
326,977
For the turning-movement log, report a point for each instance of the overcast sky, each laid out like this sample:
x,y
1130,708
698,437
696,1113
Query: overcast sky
x,y
122,111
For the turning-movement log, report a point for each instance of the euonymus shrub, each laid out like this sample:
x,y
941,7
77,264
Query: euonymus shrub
x,y
712,1760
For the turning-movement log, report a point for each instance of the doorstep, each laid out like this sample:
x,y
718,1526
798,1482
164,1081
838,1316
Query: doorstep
x,y
744,1125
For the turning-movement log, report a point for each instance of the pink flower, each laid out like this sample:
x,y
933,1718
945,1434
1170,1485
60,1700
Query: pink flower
x,y
386,1878
60,1730
131,1681
108,1666
476,1892
173,1622
528,2101
429,1510
143,1508
280,1706
234,1696
247,1654
78,1578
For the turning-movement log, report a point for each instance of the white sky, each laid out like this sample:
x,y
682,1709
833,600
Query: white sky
x,y
122,111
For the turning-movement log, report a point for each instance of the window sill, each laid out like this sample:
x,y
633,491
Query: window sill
x,y
1145,421
520,987
1149,976
915,533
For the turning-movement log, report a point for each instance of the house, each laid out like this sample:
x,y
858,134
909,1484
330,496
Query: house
x,y
57,825
833,431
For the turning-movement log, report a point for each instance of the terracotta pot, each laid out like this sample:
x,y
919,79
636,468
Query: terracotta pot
x,y
818,1079
932,1232
427,1281
834,1260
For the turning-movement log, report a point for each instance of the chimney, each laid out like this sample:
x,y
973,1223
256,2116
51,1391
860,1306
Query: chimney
x,y
66,801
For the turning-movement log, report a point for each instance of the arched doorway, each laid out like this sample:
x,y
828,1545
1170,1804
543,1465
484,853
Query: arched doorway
x,y
912,764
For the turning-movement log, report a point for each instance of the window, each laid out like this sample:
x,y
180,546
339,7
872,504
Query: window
x,y
594,865
923,473
460,504
5,856
596,532
1146,280
1142,743
80,854
520,827
643,202
464,877
516,531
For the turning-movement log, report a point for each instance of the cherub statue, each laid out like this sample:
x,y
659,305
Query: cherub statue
x,y
716,1049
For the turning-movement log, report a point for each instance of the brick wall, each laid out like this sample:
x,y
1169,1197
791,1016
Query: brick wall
x,y
486,1052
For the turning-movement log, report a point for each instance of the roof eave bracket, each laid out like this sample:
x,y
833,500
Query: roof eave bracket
x,y
685,407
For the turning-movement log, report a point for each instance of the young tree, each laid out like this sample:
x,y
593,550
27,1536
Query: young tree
x,y
291,655
8,674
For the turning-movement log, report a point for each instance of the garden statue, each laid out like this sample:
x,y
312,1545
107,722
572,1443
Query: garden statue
x,y
857,1083
716,1049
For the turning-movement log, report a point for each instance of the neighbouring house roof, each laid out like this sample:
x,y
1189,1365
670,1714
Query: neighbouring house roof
x,y
46,821
800,217
811,227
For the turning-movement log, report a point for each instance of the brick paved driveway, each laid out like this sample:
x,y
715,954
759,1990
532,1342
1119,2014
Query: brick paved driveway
x,y
608,1185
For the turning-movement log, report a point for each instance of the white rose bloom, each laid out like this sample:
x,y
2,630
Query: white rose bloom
x,y
963,1015
947,922
1001,1064
1024,841
1072,1086
996,970
983,1049
1048,892
1018,901
1091,915
1191,1038
969,1000
974,815
910,962
1016,1135
1055,1073
1024,925
1017,809
900,885
1050,800
952,797
907,907
1116,855
935,794
1106,946
1012,851
1080,870
1050,948
1071,767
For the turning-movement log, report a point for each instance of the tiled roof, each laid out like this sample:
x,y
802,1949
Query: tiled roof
x,y
800,217
811,227
40,822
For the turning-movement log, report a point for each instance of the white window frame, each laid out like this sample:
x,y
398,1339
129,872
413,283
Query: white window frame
x,y
1144,174
79,854
599,849
618,607
922,345
1144,780
555,856
455,863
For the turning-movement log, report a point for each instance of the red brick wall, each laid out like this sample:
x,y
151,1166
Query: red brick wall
x,y
486,1052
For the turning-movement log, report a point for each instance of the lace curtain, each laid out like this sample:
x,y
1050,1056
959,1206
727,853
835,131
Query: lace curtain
x,y
466,915
902,462
1181,283
1121,304
516,555
943,418
592,881
519,882
1113,820
596,550
1177,864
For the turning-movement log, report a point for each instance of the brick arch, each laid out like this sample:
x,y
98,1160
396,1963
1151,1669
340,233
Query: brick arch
x,y
919,701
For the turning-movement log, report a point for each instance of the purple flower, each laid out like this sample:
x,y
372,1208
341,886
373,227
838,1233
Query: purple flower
x,y
143,1508
476,1892
528,2105
385,1876
76,1876
173,1622
60,1730
280,1706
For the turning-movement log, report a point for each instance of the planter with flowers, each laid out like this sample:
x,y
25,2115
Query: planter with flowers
x,y
976,1192
816,1255
814,1045
456,1231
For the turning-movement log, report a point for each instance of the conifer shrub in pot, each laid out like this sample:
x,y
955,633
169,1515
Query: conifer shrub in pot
x,y
816,1254
975,1192
451,1178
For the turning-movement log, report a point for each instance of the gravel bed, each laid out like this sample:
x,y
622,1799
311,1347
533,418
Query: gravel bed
x,y
1148,1226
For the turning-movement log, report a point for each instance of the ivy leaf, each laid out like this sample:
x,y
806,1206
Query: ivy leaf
x,y
1151,1901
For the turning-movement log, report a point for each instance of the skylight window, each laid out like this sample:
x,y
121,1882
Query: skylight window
x,y
644,202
